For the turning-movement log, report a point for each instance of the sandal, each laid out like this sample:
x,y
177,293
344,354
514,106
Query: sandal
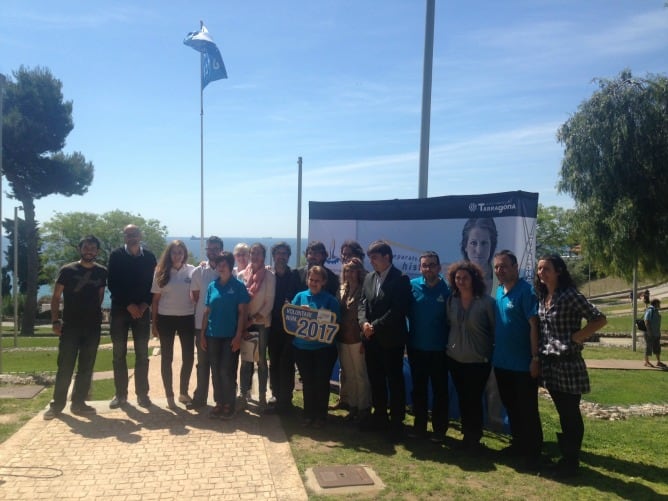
x,y
647,364
660,364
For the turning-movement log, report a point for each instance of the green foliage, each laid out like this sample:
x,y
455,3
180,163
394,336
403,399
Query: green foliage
x,y
614,166
36,123
8,305
22,269
555,233
63,232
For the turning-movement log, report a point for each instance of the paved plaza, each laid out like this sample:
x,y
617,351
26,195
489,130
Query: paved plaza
x,y
155,453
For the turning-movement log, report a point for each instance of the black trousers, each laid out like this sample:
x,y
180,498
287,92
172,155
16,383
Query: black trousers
x,y
81,343
168,327
385,367
519,395
426,367
470,381
281,366
315,368
572,425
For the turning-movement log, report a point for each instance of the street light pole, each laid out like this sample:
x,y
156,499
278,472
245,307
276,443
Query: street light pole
x,y
2,89
15,276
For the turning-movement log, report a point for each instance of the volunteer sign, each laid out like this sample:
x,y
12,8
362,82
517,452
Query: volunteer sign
x,y
310,324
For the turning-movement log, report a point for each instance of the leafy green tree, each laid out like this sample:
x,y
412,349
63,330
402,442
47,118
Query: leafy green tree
x,y
555,232
63,232
8,269
36,122
615,166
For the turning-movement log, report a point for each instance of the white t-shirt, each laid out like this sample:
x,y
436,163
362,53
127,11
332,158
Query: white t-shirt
x,y
200,280
175,296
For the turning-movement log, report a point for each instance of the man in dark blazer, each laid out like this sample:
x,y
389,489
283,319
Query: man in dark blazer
x,y
386,301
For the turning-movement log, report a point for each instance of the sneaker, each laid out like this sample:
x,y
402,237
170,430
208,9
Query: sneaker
x,y
144,402
118,402
272,401
242,401
184,398
216,412
194,405
51,413
82,409
171,404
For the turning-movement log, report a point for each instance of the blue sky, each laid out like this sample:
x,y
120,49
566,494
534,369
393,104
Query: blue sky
x,y
337,82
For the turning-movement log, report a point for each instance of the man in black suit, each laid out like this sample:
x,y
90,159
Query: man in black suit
x,y
316,254
386,300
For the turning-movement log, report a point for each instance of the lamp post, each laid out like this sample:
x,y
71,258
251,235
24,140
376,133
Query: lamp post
x,y
2,89
15,276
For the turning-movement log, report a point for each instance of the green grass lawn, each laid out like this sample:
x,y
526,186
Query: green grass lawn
x,y
41,341
621,459
593,351
31,362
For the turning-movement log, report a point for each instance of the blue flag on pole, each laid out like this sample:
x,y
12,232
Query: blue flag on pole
x,y
213,67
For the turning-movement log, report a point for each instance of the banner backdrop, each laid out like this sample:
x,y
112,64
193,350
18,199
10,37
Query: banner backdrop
x,y
456,227
453,226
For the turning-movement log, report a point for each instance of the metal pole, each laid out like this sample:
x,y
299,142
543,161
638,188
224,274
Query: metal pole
x,y
426,99
15,278
201,156
2,89
299,211
635,304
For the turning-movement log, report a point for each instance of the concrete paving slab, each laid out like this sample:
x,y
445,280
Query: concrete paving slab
x,y
20,390
155,453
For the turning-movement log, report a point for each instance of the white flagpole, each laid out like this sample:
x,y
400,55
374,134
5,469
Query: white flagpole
x,y
201,155
423,175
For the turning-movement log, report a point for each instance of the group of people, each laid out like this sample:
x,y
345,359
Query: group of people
x,y
447,324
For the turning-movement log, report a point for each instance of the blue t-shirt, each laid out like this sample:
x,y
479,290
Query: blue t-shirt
x,y
512,345
653,321
223,302
428,320
318,301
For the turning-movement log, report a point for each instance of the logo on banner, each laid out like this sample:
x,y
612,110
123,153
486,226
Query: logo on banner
x,y
310,324
497,208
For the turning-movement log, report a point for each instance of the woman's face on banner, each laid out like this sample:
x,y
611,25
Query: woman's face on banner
x,y
478,246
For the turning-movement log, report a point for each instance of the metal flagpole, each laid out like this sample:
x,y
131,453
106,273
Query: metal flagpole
x,y
2,90
426,99
201,155
299,210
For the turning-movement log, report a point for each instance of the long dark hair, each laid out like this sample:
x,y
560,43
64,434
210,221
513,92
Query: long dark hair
x,y
564,277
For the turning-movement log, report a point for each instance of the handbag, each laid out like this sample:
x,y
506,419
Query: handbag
x,y
640,324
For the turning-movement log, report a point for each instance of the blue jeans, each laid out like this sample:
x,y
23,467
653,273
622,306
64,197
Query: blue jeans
x,y
168,326
224,363
247,368
81,342
121,323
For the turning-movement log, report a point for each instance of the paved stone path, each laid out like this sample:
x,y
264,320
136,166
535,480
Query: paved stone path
x,y
156,453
